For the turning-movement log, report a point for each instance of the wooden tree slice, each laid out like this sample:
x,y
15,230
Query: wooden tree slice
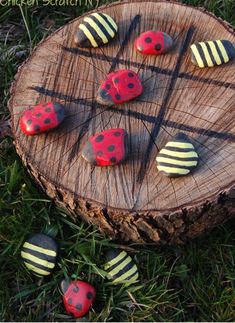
x,y
133,201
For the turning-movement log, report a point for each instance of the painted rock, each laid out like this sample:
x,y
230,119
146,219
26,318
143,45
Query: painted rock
x,y
41,118
120,267
121,86
153,43
78,297
178,157
39,254
212,53
95,30
109,147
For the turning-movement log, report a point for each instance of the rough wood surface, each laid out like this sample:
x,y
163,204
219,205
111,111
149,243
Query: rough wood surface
x,y
134,201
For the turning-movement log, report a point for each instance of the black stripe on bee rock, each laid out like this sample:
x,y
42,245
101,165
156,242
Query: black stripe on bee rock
x,y
202,54
43,241
93,33
118,263
219,52
178,158
132,275
126,267
210,53
112,254
180,149
39,255
36,265
169,164
102,28
229,47
106,19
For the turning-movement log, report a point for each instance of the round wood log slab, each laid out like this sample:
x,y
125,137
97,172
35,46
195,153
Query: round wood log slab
x,y
133,201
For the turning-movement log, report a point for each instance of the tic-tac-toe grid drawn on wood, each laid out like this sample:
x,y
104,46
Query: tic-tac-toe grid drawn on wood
x,y
177,97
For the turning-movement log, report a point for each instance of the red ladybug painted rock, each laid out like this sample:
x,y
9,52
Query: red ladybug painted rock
x,y
153,42
41,118
78,297
121,86
109,147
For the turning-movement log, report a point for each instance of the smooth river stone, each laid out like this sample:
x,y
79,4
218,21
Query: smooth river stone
x,y
153,43
95,30
41,118
212,53
121,86
178,157
39,254
78,297
120,267
109,147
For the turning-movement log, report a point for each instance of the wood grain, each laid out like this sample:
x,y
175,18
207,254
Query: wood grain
x,y
134,201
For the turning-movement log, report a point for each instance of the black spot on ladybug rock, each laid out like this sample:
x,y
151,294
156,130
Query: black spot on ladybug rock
x,y
104,94
130,85
38,115
99,153
148,40
29,122
99,138
47,120
79,307
158,46
70,301
89,295
75,289
117,134
118,96
116,80
107,86
111,148
36,127
130,74
113,159
48,109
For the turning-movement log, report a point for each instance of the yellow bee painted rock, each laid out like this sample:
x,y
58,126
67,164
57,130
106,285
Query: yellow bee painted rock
x,y
178,157
95,30
212,53
120,267
39,254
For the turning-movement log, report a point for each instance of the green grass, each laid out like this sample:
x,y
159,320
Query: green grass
x,y
195,282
